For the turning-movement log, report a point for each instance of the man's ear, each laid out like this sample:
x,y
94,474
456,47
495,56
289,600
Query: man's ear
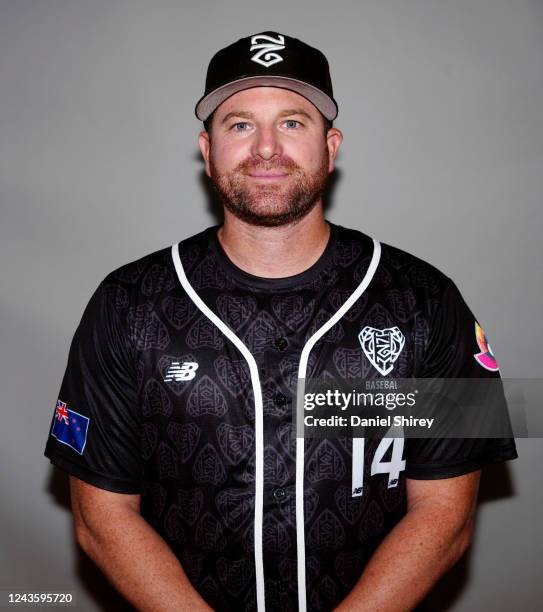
x,y
334,138
204,143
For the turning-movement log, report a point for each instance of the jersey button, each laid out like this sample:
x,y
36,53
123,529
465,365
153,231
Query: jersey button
x,y
280,399
280,494
281,343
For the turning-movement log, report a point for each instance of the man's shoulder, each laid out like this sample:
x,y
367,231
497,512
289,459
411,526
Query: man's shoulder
x,y
418,270
396,265
155,272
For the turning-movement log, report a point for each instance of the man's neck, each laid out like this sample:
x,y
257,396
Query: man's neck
x,y
275,252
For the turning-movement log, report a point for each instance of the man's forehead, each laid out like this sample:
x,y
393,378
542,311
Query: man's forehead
x,y
259,100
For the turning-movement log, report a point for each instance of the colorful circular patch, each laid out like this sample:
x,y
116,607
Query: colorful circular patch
x,y
486,356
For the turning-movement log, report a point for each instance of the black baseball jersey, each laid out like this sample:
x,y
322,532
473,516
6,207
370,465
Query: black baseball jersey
x,y
180,385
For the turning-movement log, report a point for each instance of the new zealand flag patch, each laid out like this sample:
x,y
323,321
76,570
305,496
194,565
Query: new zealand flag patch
x,y
70,427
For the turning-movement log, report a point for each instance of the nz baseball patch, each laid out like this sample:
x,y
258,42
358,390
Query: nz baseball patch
x,y
382,346
70,427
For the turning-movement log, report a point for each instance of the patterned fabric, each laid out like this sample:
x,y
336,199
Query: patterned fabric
x,y
184,435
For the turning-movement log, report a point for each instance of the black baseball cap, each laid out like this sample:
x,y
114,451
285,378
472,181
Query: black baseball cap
x,y
268,59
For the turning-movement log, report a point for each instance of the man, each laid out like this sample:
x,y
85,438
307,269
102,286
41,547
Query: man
x,y
189,486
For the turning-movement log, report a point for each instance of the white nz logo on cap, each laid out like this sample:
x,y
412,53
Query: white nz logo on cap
x,y
265,55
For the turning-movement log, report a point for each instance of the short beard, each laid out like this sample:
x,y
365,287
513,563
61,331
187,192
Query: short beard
x,y
270,205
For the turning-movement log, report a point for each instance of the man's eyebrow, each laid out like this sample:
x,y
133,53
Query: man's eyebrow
x,y
248,115
296,111
242,114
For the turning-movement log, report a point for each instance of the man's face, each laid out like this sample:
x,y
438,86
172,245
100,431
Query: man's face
x,y
269,155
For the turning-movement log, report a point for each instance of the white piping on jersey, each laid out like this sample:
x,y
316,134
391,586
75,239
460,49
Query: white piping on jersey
x,y
259,431
302,371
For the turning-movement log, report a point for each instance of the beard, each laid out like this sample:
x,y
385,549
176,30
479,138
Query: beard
x,y
270,205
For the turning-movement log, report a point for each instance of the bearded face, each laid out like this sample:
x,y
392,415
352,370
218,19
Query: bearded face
x,y
270,192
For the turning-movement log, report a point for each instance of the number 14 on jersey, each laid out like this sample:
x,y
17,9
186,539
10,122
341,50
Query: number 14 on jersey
x,y
378,466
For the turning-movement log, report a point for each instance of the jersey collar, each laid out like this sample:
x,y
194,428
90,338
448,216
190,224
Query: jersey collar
x,y
271,284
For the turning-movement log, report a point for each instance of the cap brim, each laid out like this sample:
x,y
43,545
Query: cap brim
x,y
207,104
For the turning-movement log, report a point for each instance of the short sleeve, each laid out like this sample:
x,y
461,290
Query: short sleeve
x,y
457,348
95,429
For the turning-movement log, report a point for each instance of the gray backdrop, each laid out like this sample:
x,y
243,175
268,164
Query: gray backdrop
x,y
440,103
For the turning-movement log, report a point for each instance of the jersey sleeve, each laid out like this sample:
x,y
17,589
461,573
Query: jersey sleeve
x,y
457,348
94,433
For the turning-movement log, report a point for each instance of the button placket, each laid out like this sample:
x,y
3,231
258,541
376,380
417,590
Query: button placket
x,y
280,343
280,399
279,494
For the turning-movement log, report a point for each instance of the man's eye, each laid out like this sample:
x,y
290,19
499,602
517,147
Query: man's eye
x,y
292,123
240,126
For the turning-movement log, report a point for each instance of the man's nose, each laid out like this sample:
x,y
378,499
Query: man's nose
x,y
267,143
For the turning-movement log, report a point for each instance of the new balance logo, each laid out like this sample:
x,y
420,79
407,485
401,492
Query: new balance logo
x,y
180,372
265,55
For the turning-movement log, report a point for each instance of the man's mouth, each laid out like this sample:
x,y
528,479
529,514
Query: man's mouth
x,y
268,175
